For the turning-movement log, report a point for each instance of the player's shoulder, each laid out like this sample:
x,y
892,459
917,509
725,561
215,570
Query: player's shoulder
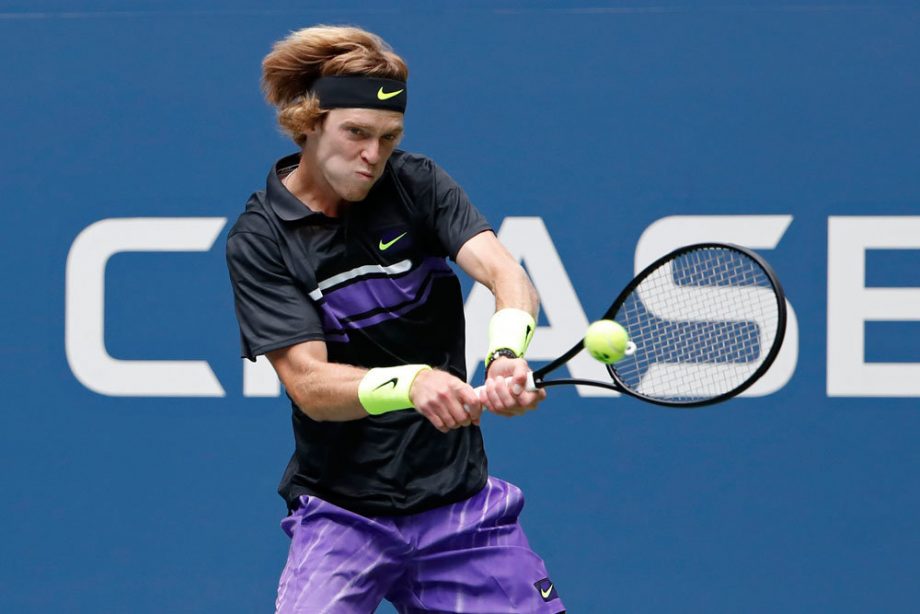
x,y
254,219
411,162
420,175
413,167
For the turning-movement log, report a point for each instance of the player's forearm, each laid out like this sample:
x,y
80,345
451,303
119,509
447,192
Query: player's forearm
x,y
336,392
487,261
327,392
513,289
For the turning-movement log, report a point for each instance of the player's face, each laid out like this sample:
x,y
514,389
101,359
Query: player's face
x,y
351,148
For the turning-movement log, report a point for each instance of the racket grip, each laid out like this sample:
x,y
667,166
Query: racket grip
x,y
530,386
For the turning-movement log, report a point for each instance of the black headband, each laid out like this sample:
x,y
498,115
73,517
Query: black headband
x,y
357,91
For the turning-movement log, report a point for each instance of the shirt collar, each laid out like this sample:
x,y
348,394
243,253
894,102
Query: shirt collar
x,y
285,205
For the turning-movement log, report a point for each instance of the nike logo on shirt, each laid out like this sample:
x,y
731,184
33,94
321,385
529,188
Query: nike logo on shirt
x,y
385,246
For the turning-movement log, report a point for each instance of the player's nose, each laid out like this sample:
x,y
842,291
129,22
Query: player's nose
x,y
371,153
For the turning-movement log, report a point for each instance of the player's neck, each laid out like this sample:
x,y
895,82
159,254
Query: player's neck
x,y
313,191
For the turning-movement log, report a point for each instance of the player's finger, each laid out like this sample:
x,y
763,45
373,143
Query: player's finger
x,y
441,410
482,397
502,402
530,400
509,400
474,411
468,396
519,378
471,404
539,396
436,422
461,416
458,416
494,403
494,399
451,411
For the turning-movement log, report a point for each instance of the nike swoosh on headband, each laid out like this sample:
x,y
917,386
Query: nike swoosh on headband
x,y
381,95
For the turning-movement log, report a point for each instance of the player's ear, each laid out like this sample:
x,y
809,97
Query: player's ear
x,y
316,126
310,133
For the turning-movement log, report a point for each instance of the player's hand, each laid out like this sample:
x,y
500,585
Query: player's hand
x,y
440,397
505,392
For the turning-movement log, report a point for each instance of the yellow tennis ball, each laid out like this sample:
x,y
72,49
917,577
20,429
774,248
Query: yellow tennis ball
x,y
606,341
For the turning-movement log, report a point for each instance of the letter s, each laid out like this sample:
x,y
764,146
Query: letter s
x,y
753,231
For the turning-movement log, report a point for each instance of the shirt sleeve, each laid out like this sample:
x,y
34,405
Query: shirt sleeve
x,y
451,215
272,310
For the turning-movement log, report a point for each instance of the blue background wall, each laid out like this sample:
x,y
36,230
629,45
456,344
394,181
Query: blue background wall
x,y
598,117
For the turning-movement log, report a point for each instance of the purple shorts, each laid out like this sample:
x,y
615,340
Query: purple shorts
x,y
471,556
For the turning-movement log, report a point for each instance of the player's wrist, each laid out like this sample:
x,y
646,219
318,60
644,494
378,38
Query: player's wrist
x,y
418,384
386,389
510,332
497,356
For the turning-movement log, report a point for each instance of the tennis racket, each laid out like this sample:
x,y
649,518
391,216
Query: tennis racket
x,y
705,322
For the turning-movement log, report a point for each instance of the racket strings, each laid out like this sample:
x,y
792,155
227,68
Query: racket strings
x,y
703,323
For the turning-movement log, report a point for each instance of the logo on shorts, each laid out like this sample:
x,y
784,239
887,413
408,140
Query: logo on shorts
x,y
547,589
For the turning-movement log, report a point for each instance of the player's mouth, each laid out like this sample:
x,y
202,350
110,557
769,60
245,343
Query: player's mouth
x,y
365,174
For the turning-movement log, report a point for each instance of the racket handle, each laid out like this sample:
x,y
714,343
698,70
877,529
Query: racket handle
x,y
530,386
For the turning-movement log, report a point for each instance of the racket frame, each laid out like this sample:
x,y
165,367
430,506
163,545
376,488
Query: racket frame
x,y
618,385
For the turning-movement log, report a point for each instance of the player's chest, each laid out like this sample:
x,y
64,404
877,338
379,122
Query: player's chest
x,y
360,244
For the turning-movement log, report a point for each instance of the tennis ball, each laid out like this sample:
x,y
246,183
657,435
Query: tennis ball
x,y
606,341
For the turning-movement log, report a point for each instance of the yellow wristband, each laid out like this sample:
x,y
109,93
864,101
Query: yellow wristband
x,y
510,329
386,389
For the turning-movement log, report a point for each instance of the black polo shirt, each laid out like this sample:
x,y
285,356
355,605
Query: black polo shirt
x,y
374,284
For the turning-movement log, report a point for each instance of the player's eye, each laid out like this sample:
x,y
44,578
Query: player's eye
x,y
356,132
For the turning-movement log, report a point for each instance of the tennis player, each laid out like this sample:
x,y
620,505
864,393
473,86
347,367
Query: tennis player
x,y
340,278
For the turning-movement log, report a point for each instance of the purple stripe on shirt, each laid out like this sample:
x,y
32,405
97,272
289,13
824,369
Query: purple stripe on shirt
x,y
377,293
386,297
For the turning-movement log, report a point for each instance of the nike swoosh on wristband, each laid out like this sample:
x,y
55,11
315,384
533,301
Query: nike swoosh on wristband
x,y
546,593
385,246
393,381
381,95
